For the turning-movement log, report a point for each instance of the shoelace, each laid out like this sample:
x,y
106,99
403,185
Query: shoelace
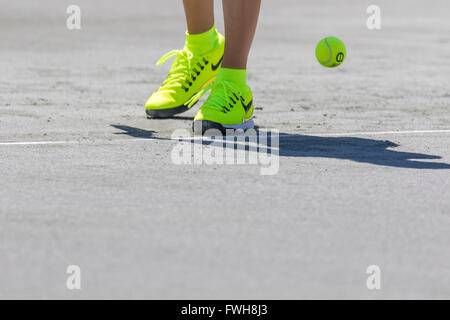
x,y
181,71
218,100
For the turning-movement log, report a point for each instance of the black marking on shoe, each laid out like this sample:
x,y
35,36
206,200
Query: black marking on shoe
x,y
246,106
215,66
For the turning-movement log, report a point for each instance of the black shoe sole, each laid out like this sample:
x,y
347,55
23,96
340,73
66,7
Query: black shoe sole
x,y
199,127
165,113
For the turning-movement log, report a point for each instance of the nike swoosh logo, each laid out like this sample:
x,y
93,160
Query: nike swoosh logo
x,y
215,66
247,106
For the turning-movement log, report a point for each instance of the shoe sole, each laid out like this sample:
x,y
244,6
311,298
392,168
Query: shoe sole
x,y
165,113
168,113
199,127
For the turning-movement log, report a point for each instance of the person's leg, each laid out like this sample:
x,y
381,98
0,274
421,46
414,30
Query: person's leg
x,y
230,103
241,18
201,34
199,15
195,66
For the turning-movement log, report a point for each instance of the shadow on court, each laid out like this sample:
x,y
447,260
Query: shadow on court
x,y
376,152
135,132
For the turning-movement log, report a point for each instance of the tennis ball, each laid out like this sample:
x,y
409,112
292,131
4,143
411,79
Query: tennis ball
x,y
331,52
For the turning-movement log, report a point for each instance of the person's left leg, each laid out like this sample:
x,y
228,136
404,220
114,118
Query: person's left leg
x,y
241,18
230,103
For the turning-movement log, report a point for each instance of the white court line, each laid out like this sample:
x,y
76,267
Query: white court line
x,y
31,143
373,133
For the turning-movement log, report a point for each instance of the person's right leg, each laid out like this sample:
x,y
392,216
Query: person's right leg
x,y
199,15
195,66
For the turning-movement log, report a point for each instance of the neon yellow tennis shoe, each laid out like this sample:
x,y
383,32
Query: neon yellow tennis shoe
x,y
190,73
229,107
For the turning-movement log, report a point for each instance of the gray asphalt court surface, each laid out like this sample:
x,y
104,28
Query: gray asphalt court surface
x,y
364,157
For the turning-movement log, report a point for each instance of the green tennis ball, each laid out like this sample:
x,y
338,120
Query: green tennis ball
x,y
331,52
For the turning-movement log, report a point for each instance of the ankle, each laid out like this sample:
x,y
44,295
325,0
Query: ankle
x,y
238,76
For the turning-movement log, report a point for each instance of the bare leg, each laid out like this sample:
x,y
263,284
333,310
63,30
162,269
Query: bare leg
x,y
241,18
199,15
